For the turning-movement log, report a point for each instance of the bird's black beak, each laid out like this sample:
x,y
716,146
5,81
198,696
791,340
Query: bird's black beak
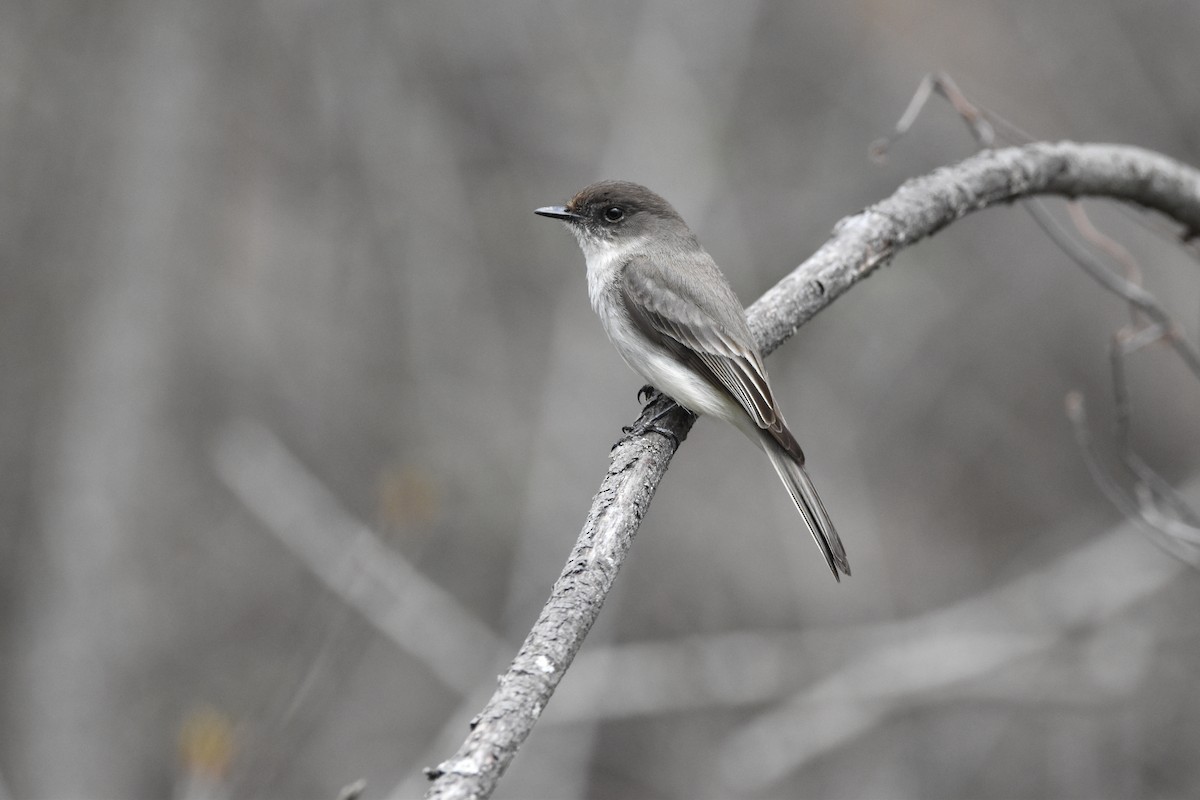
x,y
557,212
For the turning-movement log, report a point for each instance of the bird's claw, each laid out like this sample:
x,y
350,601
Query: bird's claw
x,y
650,427
646,394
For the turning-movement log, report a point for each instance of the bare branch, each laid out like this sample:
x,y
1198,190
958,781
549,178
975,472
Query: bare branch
x,y
860,244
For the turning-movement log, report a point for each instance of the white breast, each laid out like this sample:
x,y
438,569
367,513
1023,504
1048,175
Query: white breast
x,y
658,367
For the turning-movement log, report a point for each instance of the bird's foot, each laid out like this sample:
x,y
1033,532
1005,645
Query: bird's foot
x,y
651,425
646,393
642,428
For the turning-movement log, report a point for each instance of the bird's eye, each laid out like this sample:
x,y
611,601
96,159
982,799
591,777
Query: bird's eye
x,y
614,214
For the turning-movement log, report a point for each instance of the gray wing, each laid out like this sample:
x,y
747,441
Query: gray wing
x,y
702,322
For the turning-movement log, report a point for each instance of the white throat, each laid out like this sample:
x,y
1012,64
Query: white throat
x,y
604,259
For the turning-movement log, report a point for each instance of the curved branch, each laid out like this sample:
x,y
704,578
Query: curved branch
x,y
860,244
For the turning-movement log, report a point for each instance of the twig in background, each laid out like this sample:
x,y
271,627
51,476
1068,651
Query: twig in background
x,y
1109,246
1163,531
919,660
352,791
417,614
981,122
989,129
1149,487
1137,297
393,596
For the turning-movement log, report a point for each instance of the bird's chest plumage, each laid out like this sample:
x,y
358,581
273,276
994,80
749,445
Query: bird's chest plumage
x,y
604,275
659,367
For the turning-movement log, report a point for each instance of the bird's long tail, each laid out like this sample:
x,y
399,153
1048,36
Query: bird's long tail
x,y
805,496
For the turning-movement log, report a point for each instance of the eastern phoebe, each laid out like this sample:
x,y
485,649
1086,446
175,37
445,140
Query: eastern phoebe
x,y
677,322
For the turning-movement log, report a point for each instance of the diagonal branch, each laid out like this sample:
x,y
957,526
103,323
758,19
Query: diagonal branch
x,y
860,244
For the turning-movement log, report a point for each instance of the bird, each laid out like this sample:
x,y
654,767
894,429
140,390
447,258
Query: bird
x,y
675,320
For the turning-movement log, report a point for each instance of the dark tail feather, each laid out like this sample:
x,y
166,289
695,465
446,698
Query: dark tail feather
x,y
805,496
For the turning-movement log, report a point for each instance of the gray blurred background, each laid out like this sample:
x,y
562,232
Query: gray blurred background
x,y
302,408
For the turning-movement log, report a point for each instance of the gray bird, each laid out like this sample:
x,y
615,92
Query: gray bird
x,y
676,321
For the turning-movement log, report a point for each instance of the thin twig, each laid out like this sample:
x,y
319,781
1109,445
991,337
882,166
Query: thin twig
x,y
990,129
413,611
860,244
1163,490
1172,535
978,120
1108,245
1150,484
1126,341
1077,414
1129,291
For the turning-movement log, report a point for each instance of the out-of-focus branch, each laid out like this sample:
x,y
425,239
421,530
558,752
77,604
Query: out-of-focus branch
x,y
1150,323
1138,298
1076,598
860,244
1176,532
414,612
